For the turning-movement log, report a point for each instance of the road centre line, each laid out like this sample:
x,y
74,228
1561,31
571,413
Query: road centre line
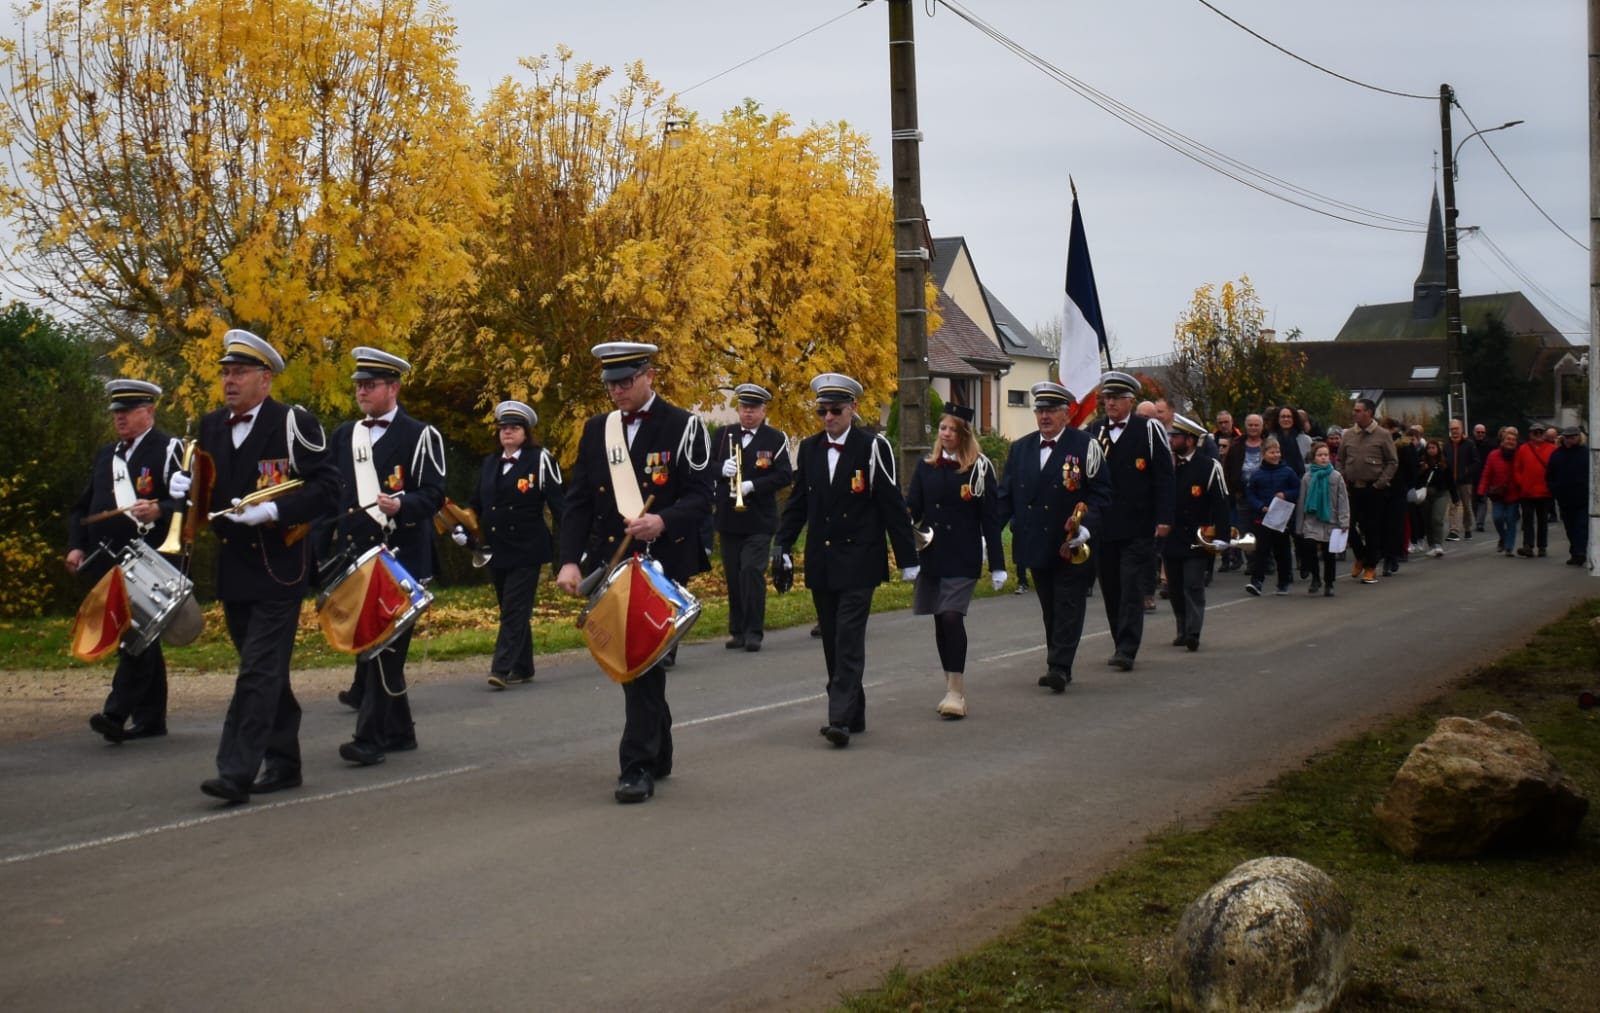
x,y
231,813
745,711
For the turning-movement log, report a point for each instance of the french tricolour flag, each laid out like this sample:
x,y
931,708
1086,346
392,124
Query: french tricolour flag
x,y
1083,331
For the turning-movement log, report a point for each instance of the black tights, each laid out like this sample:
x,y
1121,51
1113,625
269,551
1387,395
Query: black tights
x,y
950,633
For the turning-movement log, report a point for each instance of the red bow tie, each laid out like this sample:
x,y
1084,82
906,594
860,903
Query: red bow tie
x,y
629,418
835,446
746,432
1047,443
380,423
1118,425
508,460
946,462
234,420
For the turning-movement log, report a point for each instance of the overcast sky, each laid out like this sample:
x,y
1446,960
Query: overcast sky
x,y
1001,137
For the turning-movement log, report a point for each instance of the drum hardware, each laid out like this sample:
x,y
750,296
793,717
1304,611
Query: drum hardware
x,y
736,452
160,600
266,495
588,587
1079,555
362,620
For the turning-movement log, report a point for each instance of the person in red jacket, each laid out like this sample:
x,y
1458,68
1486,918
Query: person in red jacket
x,y
1498,486
1530,463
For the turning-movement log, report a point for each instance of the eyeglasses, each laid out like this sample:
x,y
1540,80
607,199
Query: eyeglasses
x,y
230,370
366,385
1046,409
829,409
623,384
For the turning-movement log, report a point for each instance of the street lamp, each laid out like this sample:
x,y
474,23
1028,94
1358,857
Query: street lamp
x,y
1455,160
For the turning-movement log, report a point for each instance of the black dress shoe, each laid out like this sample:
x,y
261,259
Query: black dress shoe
x,y
400,745
228,791
357,753
1057,680
349,699
1180,641
1121,661
276,780
1193,643
816,631
752,646
838,735
144,732
112,730
736,644
632,788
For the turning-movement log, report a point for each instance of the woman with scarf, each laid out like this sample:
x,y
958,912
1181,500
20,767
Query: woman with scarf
x,y
952,496
1324,508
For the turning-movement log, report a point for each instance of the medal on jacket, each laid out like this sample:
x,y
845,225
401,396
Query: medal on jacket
x,y
966,490
1071,473
858,481
396,480
1139,464
763,459
144,484
1195,490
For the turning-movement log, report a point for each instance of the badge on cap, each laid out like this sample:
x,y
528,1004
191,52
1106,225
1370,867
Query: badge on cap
x,y
243,348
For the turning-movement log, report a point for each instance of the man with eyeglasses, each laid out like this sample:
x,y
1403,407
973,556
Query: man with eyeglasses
x,y
391,470
666,458
1139,462
263,559
1048,474
848,501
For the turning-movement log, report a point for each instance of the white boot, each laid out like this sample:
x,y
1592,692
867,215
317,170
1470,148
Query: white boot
x,y
954,704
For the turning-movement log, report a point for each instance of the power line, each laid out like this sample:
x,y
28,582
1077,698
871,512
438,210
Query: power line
x,y
774,49
1513,179
1188,147
1315,66
1523,276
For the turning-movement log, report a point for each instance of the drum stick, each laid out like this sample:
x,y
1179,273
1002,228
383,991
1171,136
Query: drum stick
x,y
588,584
105,514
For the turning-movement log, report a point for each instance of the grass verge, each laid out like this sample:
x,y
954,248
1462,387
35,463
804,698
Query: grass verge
x,y
1508,933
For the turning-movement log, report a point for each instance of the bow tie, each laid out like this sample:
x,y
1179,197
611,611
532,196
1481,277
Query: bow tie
x,y
746,433
835,446
1047,444
380,423
946,462
1118,425
234,420
629,418
508,460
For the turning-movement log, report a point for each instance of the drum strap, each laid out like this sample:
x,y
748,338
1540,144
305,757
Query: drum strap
x,y
367,487
122,484
624,480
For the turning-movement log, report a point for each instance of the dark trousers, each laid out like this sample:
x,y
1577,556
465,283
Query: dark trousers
x,y
1276,544
647,727
139,689
1535,522
1063,597
1396,518
515,590
1125,567
263,720
1367,508
843,616
1575,519
1329,561
1186,591
383,720
744,560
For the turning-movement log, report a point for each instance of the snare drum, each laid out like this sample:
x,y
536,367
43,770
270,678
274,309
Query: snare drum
x,y
636,615
371,604
160,599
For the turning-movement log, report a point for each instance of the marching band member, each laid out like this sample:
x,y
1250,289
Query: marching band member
x,y
756,456
1201,503
665,455
131,473
953,494
263,559
391,474
848,501
515,485
1048,474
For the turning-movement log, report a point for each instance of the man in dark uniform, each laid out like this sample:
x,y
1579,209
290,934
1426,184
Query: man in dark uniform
x,y
1140,462
391,477
514,487
1200,510
848,501
263,559
132,474
666,456
763,469
1048,474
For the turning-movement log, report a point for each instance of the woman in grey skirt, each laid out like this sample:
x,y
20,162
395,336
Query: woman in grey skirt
x,y
952,500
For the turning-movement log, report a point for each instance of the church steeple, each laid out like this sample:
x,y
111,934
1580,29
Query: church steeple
x,y
1427,295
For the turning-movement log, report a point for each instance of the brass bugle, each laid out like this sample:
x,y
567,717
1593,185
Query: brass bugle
x,y
737,453
268,494
173,543
1236,541
1079,555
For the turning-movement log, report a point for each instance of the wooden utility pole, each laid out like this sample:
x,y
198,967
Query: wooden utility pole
x,y
1594,288
1452,263
910,255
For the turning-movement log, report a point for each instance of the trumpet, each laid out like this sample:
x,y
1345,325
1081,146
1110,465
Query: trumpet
x,y
172,545
1204,537
266,495
1079,555
737,453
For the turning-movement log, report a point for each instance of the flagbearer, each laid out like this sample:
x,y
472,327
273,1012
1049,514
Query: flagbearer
x,y
130,473
646,448
755,464
391,477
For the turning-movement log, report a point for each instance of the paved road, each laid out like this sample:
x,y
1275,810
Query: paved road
x,y
491,870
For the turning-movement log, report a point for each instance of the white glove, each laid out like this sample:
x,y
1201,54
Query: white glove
x,y
1079,538
729,467
178,486
1219,545
788,561
997,578
459,535
255,514
910,572
746,487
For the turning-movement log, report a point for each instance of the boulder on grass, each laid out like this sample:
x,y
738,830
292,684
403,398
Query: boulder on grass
x,y
1272,935
1479,786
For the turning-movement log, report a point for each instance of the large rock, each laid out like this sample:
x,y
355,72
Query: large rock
x,y
1272,935
1479,786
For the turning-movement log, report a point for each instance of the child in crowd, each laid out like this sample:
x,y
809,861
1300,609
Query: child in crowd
x,y
1324,508
1273,480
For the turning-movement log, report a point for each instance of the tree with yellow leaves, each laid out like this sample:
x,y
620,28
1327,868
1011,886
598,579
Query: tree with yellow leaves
x,y
299,168
1221,357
